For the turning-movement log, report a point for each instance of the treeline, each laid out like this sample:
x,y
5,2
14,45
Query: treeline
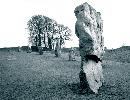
x,y
46,32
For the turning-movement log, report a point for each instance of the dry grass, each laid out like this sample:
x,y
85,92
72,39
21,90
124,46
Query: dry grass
x,y
30,76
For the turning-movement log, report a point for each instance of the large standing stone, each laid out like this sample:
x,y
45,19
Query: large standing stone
x,y
89,28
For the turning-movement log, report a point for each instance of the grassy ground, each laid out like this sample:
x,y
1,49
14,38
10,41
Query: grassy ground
x,y
30,76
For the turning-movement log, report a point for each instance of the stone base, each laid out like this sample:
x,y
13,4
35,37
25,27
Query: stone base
x,y
92,74
83,80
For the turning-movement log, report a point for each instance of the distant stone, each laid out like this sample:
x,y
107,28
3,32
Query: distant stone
x,y
58,48
40,50
19,49
29,50
72,54
89,28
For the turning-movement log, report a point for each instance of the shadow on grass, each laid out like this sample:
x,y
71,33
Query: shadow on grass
x,y
77,89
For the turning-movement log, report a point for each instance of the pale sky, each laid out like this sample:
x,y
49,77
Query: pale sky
x,y
14,15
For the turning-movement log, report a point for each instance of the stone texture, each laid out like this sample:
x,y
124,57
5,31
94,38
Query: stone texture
x,y
89,28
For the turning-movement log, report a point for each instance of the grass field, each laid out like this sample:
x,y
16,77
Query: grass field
x,y
30,76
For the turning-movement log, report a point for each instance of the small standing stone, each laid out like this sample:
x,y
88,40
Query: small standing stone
x,y
58,48
40,50
29,50
72,54
19,49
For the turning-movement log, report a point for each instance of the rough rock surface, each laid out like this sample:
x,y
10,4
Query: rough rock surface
x,y
89,28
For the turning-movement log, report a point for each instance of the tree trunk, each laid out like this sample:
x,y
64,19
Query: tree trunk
x,y
49,43
39,40
36,40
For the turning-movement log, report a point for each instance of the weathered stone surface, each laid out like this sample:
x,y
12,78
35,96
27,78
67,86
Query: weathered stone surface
x,y
89,28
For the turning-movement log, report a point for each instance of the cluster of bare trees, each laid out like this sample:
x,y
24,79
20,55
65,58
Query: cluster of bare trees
x,y
46,32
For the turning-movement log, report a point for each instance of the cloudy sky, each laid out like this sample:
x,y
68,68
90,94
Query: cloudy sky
x,y
14,15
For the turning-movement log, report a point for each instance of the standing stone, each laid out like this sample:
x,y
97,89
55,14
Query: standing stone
x,y
19,49
58,48
72,54
29,49
89,28
40,50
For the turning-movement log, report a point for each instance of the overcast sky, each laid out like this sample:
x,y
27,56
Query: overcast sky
x,y
14,15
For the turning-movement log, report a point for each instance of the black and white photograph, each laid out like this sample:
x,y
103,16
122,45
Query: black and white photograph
x,y
64,50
